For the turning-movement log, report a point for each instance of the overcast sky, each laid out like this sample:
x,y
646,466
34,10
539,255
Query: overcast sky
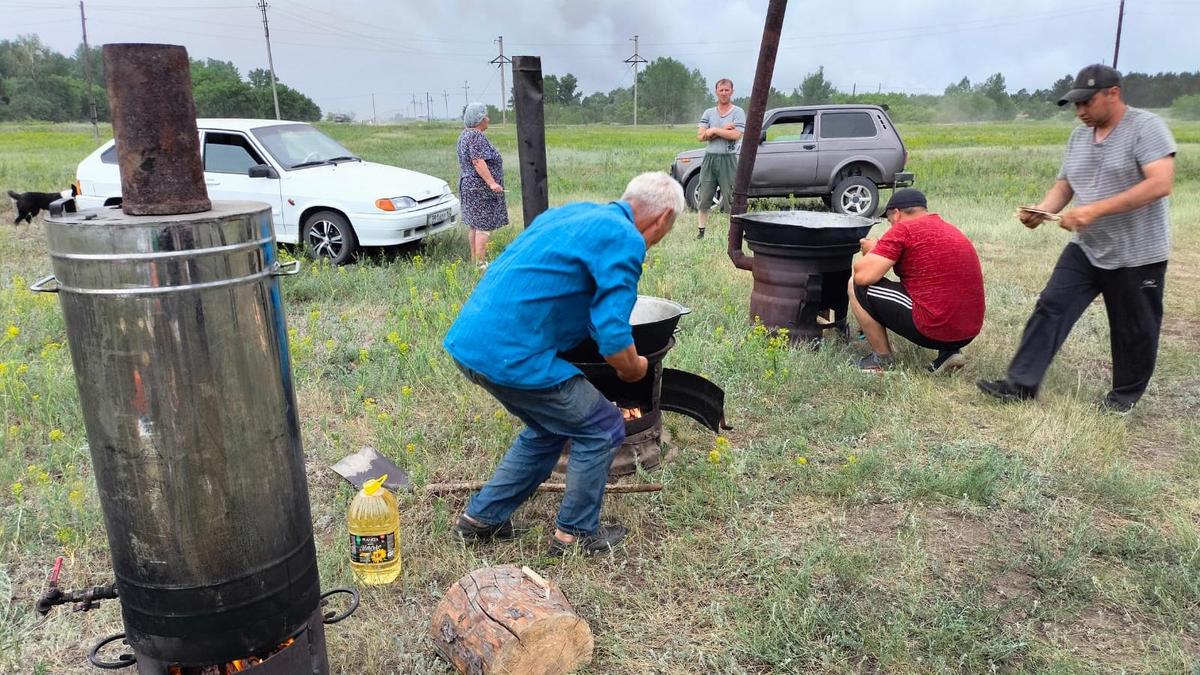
x,y
339,53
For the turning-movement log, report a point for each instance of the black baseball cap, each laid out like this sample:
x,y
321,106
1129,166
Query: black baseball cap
x,y
1090,80
906,199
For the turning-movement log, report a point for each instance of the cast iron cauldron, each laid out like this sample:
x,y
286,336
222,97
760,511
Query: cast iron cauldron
x,y
803,233
653,320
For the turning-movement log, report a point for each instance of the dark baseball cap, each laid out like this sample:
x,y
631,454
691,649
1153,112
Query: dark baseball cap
x,y
1090,80
906,199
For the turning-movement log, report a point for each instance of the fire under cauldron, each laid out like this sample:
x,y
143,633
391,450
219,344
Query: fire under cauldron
x,y
655,322
801,266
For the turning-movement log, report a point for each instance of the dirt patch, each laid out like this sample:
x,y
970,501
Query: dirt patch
x,y
1100,634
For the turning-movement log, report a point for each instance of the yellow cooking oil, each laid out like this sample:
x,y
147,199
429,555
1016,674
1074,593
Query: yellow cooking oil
x,y
374,524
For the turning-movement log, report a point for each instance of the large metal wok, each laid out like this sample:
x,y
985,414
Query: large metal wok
x,y
654,321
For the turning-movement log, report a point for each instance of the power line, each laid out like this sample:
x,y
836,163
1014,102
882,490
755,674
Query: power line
x,y
446,99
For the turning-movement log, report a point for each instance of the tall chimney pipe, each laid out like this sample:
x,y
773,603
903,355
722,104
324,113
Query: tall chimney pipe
x,y
758,106
531,135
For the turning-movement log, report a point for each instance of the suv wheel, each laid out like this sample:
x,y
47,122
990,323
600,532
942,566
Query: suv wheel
x,y
327,234
691,193
856,196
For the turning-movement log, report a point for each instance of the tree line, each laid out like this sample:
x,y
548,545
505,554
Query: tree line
x,y
671,93
38,83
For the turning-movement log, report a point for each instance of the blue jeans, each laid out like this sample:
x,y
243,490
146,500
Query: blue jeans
x,y
573,409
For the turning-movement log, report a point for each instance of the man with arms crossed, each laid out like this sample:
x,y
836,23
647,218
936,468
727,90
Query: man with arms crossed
x,y
574,272
721,126
1119,168
938,303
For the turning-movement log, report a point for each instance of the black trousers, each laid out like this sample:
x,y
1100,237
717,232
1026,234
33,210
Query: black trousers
x,y
1133,298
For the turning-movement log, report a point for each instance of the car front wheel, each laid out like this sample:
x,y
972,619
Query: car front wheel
x,y
691,193
327,234
856,196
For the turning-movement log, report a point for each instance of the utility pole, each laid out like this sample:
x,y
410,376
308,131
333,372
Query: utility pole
x,y
446,100
374,120
466,94
1120,20
87,70
428,107
262,5
635,60
416,110
500,61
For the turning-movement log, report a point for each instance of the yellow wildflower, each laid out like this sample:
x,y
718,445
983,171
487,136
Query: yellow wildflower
x,y
330,344
17,489
852,459
56,435
714,456
314,315
364,355
406,391
368,403
802,460
75,497
3,367
13,331
383,417
410,448
22,369
14,430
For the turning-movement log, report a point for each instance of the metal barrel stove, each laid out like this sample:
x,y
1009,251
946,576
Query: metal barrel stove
x,y
177,335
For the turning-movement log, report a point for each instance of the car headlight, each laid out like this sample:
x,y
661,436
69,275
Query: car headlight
x,y
446,191
395,203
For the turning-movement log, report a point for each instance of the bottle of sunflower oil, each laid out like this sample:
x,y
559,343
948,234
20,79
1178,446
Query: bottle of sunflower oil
x,y
374,523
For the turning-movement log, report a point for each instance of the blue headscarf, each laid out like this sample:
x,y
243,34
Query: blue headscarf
x,y
473,114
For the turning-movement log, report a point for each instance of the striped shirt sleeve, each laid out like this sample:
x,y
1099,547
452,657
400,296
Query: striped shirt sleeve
x,y
1154,141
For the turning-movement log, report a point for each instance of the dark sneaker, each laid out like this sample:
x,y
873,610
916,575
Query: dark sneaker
x,y
1006,391
947,362
602,540
1109,404
700,234
469,531
876,363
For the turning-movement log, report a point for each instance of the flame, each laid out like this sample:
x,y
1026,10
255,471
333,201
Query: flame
x,y
236,665
631,413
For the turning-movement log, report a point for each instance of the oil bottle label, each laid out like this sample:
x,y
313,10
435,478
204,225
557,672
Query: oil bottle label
x,y
373,549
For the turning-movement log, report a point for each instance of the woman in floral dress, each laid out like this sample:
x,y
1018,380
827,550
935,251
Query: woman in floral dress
x,y
480,183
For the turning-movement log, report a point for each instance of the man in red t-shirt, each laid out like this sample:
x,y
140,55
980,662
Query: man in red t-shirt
x,y
938,302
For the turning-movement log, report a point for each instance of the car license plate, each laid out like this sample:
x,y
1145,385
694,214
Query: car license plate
x,y
438,217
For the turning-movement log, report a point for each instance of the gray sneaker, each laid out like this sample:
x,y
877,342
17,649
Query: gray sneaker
x,y
876,363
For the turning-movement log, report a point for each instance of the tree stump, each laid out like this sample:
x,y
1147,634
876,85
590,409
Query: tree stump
x,y
502,620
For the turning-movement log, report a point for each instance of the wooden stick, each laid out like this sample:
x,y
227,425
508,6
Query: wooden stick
x,y
472,485
537,579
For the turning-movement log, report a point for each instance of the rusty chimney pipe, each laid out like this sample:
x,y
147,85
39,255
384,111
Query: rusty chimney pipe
x,y
758,106
531,135
154,123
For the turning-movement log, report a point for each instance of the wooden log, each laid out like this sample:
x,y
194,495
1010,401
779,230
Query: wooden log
x,y
472,485
501,620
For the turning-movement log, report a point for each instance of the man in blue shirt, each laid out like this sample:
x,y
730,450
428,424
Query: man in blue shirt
x,y
572,274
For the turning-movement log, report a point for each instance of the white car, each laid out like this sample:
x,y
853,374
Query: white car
x,y
320,193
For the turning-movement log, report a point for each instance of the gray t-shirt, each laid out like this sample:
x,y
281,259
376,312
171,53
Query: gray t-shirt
x,y
711,120
1097,171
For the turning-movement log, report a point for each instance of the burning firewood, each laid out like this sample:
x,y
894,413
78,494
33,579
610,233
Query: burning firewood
x,y
630,413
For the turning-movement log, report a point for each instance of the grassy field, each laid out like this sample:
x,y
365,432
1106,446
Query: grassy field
x,y
848,524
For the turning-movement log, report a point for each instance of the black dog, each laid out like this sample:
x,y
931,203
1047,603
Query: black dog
x,y
29,204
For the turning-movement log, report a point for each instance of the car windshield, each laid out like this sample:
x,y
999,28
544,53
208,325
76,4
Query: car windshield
x,y
299,145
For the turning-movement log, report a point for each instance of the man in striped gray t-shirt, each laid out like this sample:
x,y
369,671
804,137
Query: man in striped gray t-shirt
x,y
1119,168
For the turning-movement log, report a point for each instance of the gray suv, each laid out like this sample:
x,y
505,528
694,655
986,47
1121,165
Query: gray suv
x,y
841,153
